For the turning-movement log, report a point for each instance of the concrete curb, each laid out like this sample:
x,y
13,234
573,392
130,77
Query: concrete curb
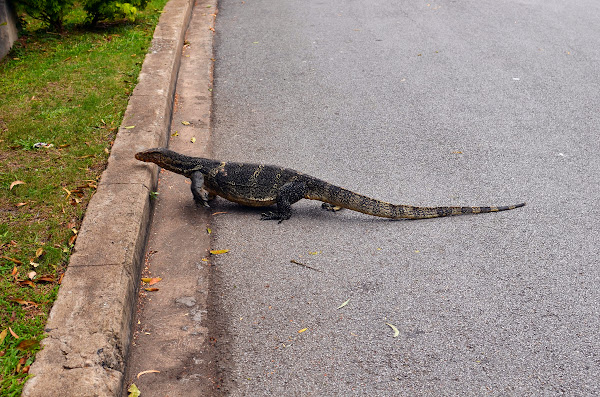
x,y
89,327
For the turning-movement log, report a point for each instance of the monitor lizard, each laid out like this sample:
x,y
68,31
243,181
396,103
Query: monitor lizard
x,y
260,185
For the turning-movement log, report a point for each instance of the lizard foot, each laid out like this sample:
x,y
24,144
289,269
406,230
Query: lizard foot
x,y
274,216
331,207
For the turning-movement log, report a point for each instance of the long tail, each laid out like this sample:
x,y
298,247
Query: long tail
x,y
344,198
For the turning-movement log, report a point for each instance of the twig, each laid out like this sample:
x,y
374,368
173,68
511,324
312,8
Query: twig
x,y
306,266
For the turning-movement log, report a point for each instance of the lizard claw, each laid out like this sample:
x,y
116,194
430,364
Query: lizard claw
x,y
331,207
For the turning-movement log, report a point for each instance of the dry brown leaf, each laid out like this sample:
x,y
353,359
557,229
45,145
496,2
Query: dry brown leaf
x,y
13,260
13,333
28,344
48,279
151,289
22,302
29,283
15,183
150,371
39,252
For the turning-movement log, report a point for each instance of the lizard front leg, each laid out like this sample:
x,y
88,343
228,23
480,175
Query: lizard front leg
x,y
201,196
288,194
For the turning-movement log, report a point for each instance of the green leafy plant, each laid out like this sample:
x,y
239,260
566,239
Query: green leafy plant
x,y
51,12
100,10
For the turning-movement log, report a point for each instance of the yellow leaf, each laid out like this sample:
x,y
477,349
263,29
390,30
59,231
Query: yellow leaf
x,y
193,140
185,122
315,252
133,391
15,183
396,332
217,252
151,281
129,127
3,335
175,133
343,304
208,230
39,252
152,289
302,330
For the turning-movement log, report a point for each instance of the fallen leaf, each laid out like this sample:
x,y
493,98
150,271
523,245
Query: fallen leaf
x,y
343,304
22,302
15,183
48,279
193,140
150,371
315,252
28,344
3,335
151,281
39,252
396,332
13,260
217,252
151,289
129,127
26,282
185,122
34,264
302,330
208,230
72,239
31,275
175,133
133,391
13,333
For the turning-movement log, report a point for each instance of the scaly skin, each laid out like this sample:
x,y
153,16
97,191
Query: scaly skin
x,y
260,185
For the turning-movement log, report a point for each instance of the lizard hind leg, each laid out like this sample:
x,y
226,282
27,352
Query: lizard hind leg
x,y
287,195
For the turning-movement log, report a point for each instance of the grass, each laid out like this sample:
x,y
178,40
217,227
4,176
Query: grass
x,y
68,90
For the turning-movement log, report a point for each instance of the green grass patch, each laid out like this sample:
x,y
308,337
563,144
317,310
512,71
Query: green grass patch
x,y
70,91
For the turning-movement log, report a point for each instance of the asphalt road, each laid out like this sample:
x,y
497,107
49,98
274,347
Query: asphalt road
x,y
425,103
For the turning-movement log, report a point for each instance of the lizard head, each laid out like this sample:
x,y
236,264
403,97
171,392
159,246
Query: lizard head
x,y
151,155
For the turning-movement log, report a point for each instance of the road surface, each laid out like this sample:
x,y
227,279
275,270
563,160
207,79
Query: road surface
x,y
424,103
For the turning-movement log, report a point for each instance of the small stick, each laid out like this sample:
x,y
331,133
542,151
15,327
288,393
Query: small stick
x,y
306,266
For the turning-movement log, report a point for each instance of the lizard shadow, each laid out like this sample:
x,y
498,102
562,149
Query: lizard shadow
x,y
307,210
